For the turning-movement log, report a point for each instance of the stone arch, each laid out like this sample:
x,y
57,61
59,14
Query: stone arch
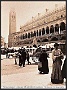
x,y
23,36
61,16
37,32
63,38
28,35
38,40
45,40
62,26
27,46
31,34
40,32
43,31
51,29
34,33
56,27
30,46
35,45
54,39
47,30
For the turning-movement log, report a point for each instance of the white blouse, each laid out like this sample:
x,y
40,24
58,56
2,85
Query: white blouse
x,y
56,53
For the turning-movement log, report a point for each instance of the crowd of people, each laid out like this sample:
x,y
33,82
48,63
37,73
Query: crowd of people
x,y
23,55
58,74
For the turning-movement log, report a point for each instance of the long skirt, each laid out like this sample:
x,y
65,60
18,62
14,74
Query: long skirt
x,y
44,68
56,76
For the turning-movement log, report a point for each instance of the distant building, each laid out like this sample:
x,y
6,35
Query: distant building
x,y
2,41
46,28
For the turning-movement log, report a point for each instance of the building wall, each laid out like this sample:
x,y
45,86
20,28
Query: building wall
x,y
45,20
51,23
2,41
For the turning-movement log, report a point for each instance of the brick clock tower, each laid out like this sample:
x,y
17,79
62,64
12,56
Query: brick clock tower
x,y
12,26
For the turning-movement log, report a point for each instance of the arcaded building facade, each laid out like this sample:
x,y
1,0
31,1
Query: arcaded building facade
x,y
46,28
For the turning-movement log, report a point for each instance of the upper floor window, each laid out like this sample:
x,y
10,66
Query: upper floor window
x,y
61,15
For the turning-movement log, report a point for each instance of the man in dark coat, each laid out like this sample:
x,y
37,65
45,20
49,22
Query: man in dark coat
x,y
43,58
20,59
7,51
23,56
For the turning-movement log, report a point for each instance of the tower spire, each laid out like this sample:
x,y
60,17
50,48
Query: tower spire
x,y
12,21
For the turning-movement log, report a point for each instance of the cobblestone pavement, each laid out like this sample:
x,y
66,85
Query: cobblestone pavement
x,y
13,76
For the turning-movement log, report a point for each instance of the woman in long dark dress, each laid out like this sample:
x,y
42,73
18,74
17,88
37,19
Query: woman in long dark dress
x,y
20,59
56,76
43,58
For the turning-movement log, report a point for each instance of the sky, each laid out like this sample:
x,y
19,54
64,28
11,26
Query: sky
x,y
25,10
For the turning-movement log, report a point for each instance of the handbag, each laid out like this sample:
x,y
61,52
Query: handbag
x,y
39,65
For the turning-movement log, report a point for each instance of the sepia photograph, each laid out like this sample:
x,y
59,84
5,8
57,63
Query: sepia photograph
x,y
33,44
